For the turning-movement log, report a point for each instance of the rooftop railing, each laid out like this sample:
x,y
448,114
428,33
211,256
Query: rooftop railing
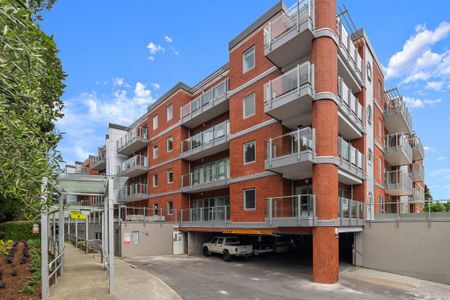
x,y
350,157
350,104
298,17
100,158
206,99
292,143
292,81
206,137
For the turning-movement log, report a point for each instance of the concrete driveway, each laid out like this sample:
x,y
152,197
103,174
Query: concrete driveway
x,y
279,276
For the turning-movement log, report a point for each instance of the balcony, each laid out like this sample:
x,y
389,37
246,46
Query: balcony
x,y
292,154
418,194
134,192
350,63
396,113
398,183
351,112
351,163
206,143
417,172
397,150
133,141
135,166
295,210
204,216
98,162
207,177
418,152
289,36
208,105
351,212
288,98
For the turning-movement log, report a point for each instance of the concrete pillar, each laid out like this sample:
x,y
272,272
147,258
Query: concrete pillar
x,y
325,122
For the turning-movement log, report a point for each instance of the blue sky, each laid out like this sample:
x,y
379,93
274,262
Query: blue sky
x,y
122,55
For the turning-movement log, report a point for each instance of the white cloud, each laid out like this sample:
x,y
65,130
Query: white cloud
x,y
416,60
117,81
429,149
435,85
156,85
154,49
419,103
168,39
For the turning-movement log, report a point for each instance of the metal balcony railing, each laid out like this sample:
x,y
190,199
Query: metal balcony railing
x,y
207,175
396,105
351,159
298,17
99,159
287,208
135,134
417,146
302,76
350,104
398,142
291,144
349,50
135,162
134,192
204,216
418,194
206,100
206,138
351,212
417,172
398,179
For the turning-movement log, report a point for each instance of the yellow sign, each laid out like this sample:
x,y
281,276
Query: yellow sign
x,y
249,231
76,215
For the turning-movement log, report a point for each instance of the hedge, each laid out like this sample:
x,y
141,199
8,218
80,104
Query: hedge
x,y
18,230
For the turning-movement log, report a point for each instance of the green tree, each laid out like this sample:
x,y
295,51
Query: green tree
x,y
31,86
427,194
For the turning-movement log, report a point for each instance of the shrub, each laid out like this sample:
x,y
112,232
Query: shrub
x,y
35,268
5,246
17,230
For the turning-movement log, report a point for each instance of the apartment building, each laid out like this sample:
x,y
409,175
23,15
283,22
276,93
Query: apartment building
x,y
295,134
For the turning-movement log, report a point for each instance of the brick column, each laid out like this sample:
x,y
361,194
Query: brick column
x,y
325,123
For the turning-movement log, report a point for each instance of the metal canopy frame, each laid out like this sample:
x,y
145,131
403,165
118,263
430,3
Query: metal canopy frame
x,y
85,185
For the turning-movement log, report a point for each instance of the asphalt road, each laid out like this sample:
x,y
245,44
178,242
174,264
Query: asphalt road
x,y
278,276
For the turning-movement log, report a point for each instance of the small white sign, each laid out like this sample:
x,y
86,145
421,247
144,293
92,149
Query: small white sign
x,y
126,238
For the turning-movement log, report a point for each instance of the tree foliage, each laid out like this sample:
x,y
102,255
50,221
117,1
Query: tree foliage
x,y
31,86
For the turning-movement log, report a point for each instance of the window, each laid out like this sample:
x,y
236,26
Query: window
x,y
155,122
249,106
155,208
248,60
170,207
155,151
135,237
370,156
169,110
369,71
249,152
155,180
249,199
369,114
380,205
169,175
380,130
380,96
380,168
169,143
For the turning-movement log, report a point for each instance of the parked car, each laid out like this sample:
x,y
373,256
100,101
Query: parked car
x,y
227,246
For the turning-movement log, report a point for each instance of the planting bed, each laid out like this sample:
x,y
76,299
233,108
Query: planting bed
x,y
15,272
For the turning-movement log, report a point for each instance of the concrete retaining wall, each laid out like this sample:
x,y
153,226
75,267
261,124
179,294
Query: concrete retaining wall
x,y
409,248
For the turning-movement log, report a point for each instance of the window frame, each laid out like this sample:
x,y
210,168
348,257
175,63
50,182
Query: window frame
x,y
155,147
243,152
170,138
380,169
155,180
248,97
380,130
170,106
155,122
244,198
245,54
170,210
168,172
